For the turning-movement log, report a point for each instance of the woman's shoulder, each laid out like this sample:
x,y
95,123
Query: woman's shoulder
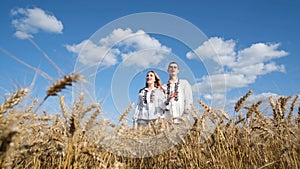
x,y
142,90
159,89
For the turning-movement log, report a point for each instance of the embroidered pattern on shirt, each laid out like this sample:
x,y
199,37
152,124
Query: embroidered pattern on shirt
x,y
175,90
145,96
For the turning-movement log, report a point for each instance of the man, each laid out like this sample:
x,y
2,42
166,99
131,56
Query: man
x,y
179,95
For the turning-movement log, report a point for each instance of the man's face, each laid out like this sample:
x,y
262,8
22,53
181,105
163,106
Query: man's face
x,y
173,69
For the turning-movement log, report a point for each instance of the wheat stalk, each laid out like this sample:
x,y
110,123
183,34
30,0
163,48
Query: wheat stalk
x,y
72,125
252,109
37,144
279,107
283,104
298,118
207,109
90,122
273,105
31,105
87,109
57,87
62,83
127,111
63,107
241,101
13,100
79,106
290,115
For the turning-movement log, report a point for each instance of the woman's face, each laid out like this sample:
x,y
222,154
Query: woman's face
x,y
150,78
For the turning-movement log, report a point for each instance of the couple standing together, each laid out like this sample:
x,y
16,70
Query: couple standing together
x,y
173,99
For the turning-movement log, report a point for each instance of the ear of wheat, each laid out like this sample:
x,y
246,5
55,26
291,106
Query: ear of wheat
x,y
127,111
290,115
13,100
207,109
63,83
241,101
59,85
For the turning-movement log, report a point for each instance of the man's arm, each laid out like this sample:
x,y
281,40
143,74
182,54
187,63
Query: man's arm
x,y
188,97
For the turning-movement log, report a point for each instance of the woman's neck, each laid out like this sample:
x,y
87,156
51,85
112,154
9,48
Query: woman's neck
x,y
150,86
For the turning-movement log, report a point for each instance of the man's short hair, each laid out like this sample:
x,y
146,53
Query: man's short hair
x,y
173,62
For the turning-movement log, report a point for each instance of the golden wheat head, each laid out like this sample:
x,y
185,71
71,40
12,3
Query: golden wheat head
x,y
63,83
241,101
13,100
59,85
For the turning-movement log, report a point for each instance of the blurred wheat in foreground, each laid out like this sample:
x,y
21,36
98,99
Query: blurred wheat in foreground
x,y
30,140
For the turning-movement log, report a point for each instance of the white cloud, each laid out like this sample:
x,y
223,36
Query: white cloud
x,y
116,36
142,59
258,53
220,83
135,48
216,49
242,67
138,47
214,96
258,69
93,55
142,41
31,21
148,51
22,35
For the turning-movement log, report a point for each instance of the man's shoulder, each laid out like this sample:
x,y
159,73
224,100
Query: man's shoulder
x,y
184,81
164,85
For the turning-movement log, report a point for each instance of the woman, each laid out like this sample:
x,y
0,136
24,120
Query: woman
x,y
150,101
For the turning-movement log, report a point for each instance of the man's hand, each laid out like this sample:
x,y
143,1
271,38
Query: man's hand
x,y
172,95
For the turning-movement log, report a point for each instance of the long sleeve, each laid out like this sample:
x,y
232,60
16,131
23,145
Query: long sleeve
x,y
137,110
163,105
188,100
136,114
161,99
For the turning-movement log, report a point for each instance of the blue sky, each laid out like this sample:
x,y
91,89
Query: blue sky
x,y
224,48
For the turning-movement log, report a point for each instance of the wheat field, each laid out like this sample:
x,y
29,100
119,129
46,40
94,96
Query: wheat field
x,y
70,139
